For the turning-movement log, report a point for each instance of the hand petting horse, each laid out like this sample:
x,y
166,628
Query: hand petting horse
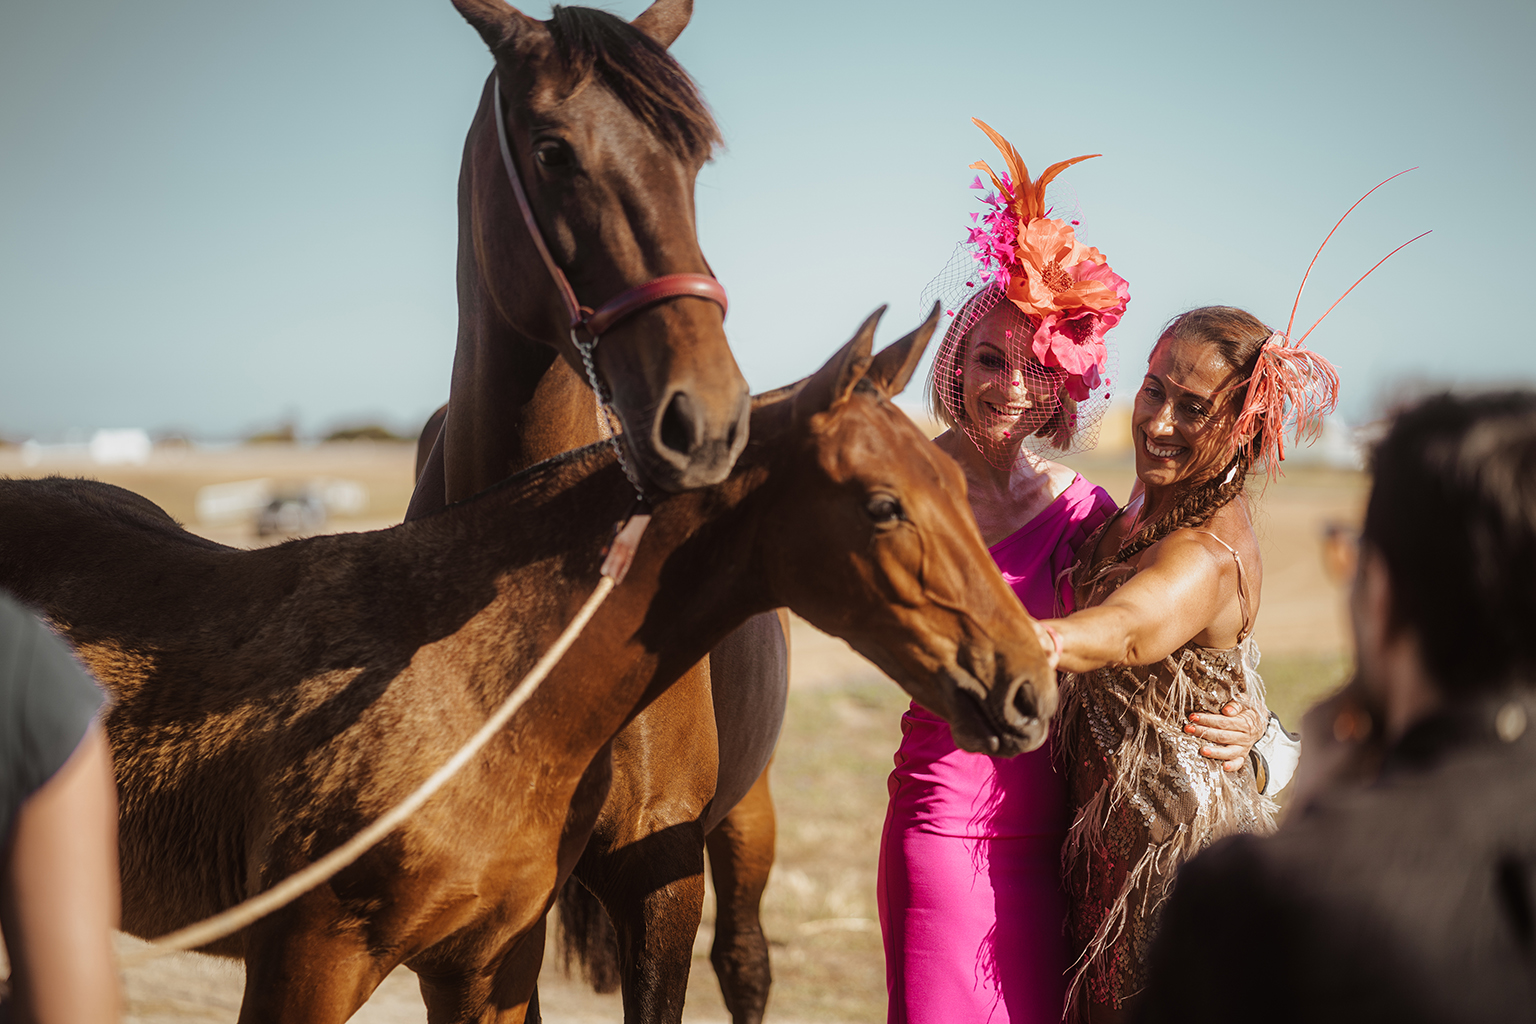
x,y
270,703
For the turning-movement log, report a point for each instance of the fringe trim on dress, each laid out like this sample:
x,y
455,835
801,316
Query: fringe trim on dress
x,y
1148,801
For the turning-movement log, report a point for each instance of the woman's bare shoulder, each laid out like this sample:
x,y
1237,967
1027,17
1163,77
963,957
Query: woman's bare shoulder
x,y
1213,544
1061,478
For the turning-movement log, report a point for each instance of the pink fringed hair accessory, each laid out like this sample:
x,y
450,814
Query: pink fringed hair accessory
x,y
1024,364
1291,385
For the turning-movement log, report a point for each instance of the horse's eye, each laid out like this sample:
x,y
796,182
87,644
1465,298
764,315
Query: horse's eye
x,y
554,155
884,510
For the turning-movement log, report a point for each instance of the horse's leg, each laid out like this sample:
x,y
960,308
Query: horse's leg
x,y
740,856
750,674
306,972
656,917
485,992
645,861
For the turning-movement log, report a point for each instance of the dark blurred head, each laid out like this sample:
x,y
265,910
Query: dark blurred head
x,y
1453,514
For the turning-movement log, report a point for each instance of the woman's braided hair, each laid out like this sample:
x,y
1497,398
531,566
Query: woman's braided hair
x,y
1238,337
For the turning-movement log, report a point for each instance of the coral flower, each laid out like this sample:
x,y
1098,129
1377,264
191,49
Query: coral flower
x,y
1059,272
1065,286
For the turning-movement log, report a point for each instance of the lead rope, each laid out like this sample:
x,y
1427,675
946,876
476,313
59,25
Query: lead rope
x,y
620,555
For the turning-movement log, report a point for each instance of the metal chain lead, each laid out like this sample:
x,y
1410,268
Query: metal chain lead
x,y
605,419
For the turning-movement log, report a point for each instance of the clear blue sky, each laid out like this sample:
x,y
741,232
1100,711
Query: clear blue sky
x,y
216,214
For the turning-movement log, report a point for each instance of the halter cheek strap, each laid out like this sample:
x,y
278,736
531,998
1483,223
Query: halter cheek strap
x,y
628,302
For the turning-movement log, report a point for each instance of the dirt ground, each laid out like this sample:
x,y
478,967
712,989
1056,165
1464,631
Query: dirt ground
x,y
829,775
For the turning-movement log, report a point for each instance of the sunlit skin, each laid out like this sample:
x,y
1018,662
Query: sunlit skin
x,y
1181,422
59,894
1186,585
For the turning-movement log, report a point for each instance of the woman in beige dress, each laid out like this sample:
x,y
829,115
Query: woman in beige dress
x,y
1167,591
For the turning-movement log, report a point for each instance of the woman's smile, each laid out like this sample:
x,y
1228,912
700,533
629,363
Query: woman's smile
x,y
1008,411
1162,449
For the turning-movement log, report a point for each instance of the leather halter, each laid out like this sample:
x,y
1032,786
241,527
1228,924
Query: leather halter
x,y
621,306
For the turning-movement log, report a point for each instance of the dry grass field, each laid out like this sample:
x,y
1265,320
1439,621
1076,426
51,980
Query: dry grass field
x,y
829,775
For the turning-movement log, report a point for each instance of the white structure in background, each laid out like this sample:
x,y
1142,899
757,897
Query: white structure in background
x,y
131,447
1340,446
221,504
280,508
125,447
341,497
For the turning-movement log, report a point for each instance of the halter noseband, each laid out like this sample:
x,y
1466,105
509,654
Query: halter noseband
x,y
622,306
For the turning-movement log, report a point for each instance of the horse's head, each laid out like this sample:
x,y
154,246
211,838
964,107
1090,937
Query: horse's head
x,y
876,518
607,134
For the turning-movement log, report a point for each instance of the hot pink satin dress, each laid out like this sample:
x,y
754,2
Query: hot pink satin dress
x,y
971,902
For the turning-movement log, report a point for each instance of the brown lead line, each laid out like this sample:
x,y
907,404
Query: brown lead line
x,y
291,888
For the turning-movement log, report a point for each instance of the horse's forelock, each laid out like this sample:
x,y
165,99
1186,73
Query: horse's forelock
x,y
640,72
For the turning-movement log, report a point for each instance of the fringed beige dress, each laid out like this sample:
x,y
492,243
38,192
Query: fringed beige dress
x,y
1145,800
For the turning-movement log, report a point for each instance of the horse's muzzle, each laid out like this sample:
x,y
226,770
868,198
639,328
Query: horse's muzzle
x,y
1012,719
694,443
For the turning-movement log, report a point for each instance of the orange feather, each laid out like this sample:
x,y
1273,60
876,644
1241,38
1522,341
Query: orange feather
x,y
1028,196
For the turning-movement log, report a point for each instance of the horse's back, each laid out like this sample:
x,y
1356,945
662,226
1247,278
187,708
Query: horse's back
x,y
56,532
103,559
56,497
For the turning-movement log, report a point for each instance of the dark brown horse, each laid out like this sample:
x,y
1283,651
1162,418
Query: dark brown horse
x,y
605,135
608,135
269,703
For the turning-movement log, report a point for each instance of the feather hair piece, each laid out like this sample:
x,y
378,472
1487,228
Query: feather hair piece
x,y
1291,383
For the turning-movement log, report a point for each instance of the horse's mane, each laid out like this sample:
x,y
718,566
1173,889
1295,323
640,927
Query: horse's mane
x,y
640,72
538,481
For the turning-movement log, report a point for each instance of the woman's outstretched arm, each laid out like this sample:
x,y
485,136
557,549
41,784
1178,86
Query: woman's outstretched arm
x,y
1180,589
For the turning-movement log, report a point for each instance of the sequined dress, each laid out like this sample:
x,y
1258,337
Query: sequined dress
x,y
1145,799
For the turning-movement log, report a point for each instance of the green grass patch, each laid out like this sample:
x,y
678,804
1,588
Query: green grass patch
x,y
1295,682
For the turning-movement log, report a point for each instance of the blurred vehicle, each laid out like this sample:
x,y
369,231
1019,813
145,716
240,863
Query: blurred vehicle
x,y
291,513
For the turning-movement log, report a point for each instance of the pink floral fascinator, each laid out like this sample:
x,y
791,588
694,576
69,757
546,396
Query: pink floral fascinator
x,y
1050,301
1292,385
1045,271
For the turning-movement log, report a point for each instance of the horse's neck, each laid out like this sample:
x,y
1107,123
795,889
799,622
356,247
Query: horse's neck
x,y
705,570
513,401
697,574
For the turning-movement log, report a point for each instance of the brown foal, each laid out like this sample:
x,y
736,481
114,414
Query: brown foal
x,y
269,703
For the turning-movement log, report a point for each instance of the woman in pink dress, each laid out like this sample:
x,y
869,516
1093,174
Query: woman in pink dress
x,y
972,907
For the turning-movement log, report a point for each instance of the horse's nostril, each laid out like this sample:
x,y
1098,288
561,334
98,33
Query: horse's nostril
x,y
1024,701
677,424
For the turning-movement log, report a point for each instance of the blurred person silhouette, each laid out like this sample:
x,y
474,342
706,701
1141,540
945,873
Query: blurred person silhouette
x,y
58,827
1402,891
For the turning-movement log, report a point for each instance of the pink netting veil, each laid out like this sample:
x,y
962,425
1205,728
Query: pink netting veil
x,y
987,381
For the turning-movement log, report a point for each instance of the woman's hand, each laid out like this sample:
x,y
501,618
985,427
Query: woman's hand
x,y
1051,641
1229,736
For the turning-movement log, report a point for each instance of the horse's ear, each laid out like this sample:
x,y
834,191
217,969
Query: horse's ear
x,y
836,380
893,367
665,20
497,21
